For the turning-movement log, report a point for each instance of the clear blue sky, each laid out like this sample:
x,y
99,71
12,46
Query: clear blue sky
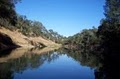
x,y
67,17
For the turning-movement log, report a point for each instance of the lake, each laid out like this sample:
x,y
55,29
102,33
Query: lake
x,y
46,64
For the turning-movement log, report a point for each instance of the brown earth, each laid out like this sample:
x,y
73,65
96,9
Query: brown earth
x,y
24,41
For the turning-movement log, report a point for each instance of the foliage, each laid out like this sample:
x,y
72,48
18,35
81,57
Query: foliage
x,y
106,37
36,28
109,30
112,11
86,40
7,12
55,36
109,35
11,20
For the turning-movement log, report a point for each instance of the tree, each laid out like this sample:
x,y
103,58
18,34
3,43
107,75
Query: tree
x,y
109,30
112,10
7,11
86,40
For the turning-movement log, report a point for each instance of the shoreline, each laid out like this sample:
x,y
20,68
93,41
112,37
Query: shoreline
x,y
14,39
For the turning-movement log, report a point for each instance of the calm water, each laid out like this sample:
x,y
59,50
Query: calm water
x,y
38,64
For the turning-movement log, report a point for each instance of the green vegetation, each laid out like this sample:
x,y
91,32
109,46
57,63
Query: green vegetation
x,y
95,45
109,30
106,37
36,28
103,43
13,21
8,14
87,40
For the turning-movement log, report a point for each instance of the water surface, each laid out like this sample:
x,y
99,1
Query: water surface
x,y
33,64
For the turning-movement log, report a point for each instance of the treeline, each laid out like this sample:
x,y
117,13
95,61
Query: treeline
x,y
8,15
103,43
13,21
86,39
106,37
36,28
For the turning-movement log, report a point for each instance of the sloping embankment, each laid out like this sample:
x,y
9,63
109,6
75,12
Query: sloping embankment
x,y
6,42
19,39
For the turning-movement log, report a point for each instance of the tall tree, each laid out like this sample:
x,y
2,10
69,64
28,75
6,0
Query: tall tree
x,y
109,30
7,10
112,10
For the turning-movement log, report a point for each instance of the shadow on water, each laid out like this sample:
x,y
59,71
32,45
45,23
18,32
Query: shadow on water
x,y
5,52
111,66
106,65
19,60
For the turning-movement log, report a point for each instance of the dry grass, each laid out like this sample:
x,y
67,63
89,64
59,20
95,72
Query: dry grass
x,y
24,41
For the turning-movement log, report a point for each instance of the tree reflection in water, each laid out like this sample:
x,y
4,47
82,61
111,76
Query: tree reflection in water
x,y
106,64
105,67
24,61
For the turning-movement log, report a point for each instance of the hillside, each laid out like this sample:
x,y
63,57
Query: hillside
x,y
17,30
24,41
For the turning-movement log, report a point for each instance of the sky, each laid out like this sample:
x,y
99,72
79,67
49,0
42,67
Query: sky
x,y
67,17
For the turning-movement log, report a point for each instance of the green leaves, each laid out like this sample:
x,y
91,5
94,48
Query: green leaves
x,y
109,30
7,11
112,10
87,39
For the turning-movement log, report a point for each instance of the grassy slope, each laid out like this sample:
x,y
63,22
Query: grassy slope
x,y
25,41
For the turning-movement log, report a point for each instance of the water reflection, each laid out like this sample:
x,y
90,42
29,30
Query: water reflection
x,y
48,64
